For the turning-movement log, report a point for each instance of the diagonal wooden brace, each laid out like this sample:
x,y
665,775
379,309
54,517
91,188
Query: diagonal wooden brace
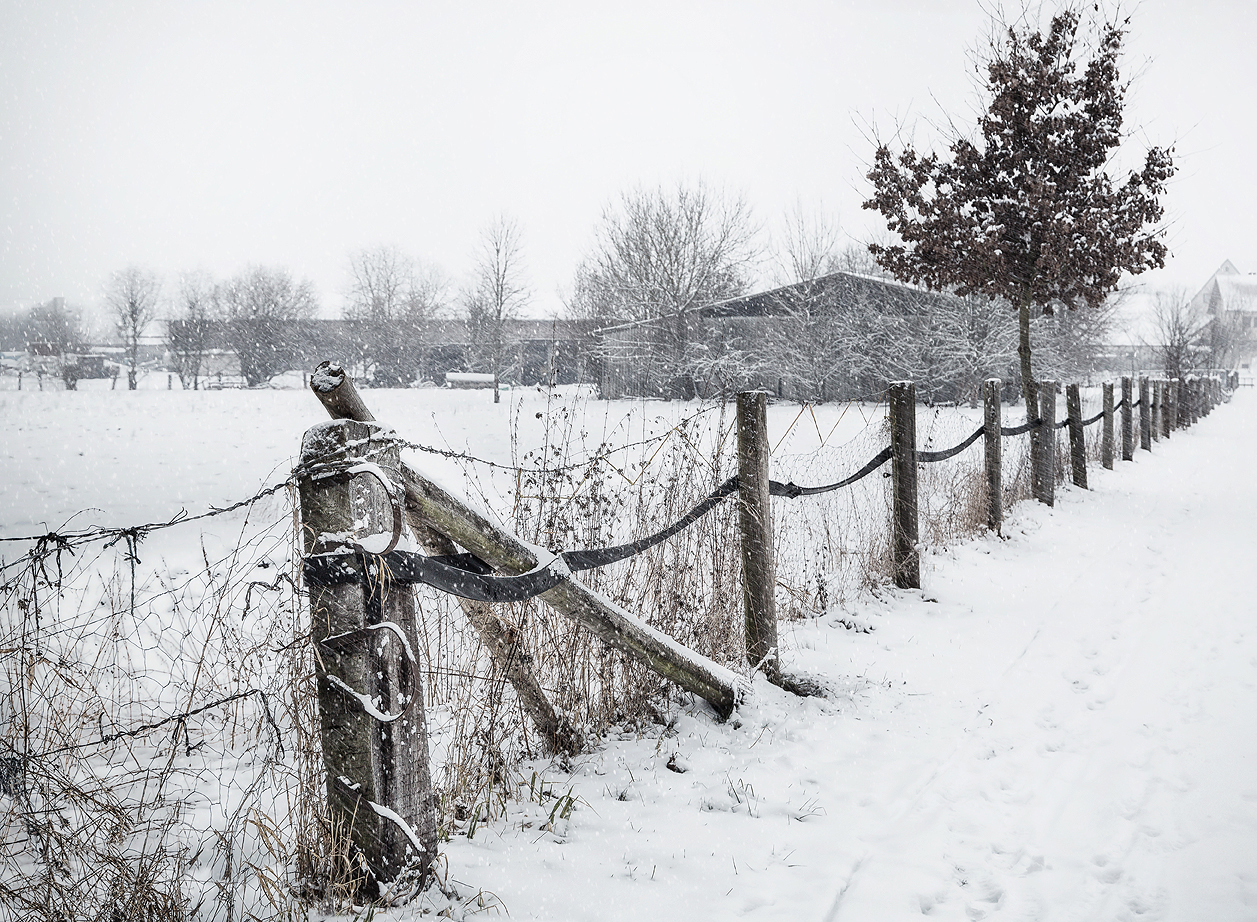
x,y
447,515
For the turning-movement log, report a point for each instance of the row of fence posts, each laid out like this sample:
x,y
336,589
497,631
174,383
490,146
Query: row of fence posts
x,y
371,709
1163,404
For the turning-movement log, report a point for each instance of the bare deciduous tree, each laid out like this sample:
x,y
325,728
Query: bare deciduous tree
x,y
660,253
187,331
809,246
390,297
496,295
1179,329
260,307
132,295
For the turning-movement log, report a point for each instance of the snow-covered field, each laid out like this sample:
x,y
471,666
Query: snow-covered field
x,y
1062,725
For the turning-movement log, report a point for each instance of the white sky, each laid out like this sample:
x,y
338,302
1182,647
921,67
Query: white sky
x,y
182,135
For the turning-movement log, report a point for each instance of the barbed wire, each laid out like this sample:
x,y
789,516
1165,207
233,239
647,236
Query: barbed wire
x,y
67,540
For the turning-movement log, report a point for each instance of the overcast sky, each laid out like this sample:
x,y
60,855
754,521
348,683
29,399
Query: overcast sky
x,y
180,135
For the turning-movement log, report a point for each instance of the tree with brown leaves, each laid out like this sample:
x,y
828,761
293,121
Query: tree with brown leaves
x,y
1027,211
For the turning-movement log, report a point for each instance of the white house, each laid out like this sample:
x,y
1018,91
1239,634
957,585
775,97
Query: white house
x,y
1231,296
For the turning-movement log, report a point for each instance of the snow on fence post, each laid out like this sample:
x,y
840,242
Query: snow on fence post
x,y
994,445
1145,414
1106,436
1043,474
1171,405
905,559
372,722
1128,437
755,522
1077,443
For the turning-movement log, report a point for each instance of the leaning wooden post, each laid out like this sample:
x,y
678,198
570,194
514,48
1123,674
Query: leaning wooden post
x,y
1128,436
755,519
1077,443
371,713
1145,415
992,423
905,559
450,516
1181,399
1106,435
1043,474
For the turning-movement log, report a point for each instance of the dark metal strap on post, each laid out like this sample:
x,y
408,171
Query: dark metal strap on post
x,y
905,559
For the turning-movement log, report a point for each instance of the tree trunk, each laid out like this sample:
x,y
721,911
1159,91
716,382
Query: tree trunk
x,y
1028,390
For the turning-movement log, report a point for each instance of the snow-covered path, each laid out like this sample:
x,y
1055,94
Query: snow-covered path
x,y
1107,764
1063,725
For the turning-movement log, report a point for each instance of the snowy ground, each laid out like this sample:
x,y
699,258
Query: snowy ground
x,y
1063,725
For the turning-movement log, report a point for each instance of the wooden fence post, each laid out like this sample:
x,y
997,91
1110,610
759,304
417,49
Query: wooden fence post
x,y
1043,474
1128,436
1106,435
372,721
1170,405
755,519
1077,443
994,445
905,559
1145,414
1156,409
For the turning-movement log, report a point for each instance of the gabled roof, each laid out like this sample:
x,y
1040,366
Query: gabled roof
x,y
837,288
1227,290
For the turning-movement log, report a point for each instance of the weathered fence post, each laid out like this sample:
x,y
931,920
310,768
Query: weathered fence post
x,y
372,722
1155,416
1077,443
755,519
905,558
1106,435
1128,436
994,445
1193,399
1145,414
1170,405
1043,473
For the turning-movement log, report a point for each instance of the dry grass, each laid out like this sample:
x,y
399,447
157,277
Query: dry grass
x,y
222,815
